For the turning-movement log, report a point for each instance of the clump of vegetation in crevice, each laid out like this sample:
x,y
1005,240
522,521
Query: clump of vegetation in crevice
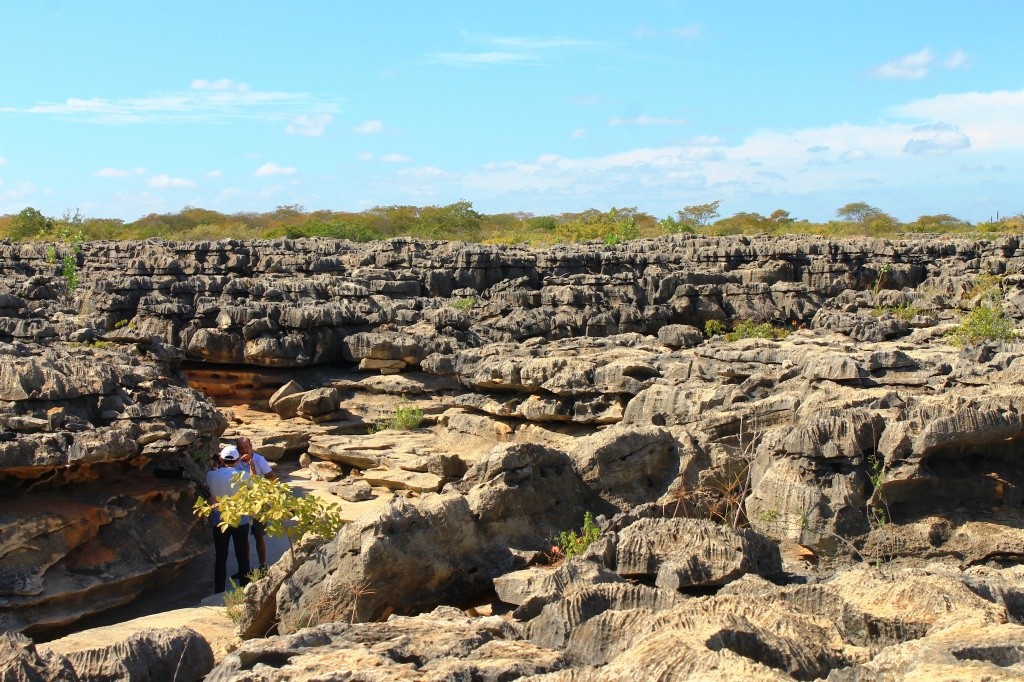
x,y
986,321
748,329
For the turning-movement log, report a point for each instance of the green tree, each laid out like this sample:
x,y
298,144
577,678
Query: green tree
x,y
858,212
277,507
869,219
699,215
29,223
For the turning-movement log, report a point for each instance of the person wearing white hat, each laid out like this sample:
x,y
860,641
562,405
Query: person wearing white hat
x,y
220,483
256,465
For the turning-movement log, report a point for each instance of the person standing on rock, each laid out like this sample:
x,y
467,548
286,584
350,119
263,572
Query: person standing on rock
x,y
221,485
256,465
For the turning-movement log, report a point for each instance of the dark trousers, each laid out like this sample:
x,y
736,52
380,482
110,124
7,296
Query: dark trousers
x,y
239,536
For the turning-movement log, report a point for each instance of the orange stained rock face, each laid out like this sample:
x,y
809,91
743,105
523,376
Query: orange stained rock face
x,y
85,527
91,555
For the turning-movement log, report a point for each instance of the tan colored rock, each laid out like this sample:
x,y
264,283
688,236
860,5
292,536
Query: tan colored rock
x,y
397,479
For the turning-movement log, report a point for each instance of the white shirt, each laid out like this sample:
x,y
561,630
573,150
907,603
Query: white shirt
x,y
219,481
220,485
262,465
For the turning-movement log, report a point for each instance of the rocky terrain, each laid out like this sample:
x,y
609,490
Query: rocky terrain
x,y
843,503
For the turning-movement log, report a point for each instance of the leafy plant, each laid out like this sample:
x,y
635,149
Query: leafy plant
x,y
986,322
572,544
464,303
277,507
404,418
714,328
752,330
883,270
234,600
903,311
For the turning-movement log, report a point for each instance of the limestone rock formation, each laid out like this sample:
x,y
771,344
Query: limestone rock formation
x,y
552,382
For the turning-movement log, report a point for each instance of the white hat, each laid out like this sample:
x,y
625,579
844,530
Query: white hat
x,y
229,453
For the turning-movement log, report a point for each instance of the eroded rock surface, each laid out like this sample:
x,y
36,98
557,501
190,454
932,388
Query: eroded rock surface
x,y
576,379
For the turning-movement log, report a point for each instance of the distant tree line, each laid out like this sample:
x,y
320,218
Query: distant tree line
x,y
459,221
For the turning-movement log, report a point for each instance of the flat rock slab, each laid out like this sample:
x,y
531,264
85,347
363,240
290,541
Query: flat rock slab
x,y
399,479
371,450
210,622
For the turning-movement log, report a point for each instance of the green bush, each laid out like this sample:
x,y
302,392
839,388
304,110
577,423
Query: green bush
x,y
714,328
464,303
904,311
280,510
986,322
752,330
572,544
404,418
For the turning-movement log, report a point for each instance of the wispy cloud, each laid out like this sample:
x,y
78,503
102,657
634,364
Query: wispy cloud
x,y
364,156
919,64
164,181
690,31
221,84
270,169
308,125
480,58
645,120
518,50
2,160
119,172
957,60
395,158
942,142
578,133
781,162
369,127
215,174
205,101
910,67
18,190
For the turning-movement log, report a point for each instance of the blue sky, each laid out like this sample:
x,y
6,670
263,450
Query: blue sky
x,y
120,109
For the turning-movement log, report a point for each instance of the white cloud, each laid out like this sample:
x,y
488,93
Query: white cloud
x,y
214,174
395,158
957,60
112,173
578,133
990,119
18,190
222,84
164,181
364,156
369,127
205,101
519,50
530,43
423,172
691,31
478,58
270,169
309,126
2,160
855,155
645,120
941,142
910,67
